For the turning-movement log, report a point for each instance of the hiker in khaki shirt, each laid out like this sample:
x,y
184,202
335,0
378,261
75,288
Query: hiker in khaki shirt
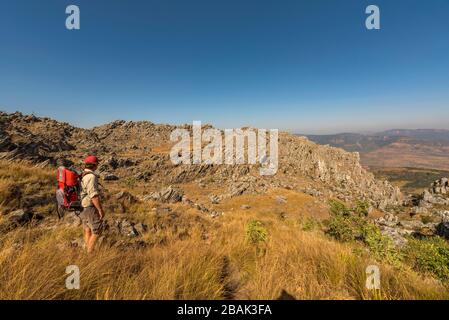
x,y
93,213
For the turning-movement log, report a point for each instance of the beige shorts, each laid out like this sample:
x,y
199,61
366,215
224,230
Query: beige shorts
x,y
91,219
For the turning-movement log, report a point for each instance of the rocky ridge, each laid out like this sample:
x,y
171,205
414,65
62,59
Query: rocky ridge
x,y
139,151
431,206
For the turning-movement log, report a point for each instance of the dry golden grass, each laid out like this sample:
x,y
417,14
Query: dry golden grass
x,y
212,260
18,180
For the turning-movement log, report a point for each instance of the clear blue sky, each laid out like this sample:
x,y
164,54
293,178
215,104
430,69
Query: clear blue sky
x,y
306,66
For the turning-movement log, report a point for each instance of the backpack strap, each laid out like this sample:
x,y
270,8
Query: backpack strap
x,y
85,173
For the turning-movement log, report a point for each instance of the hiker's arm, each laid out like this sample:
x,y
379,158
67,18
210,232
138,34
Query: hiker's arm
x,y
97,203
94,193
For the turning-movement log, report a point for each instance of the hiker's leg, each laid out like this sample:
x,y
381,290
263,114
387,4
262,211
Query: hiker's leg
x,y
87,235
91,243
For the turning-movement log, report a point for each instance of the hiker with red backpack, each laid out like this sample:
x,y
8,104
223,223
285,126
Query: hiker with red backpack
x,y
93,213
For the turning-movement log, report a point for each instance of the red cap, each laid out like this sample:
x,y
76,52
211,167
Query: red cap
x,y
91,160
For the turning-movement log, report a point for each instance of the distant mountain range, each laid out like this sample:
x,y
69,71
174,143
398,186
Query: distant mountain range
x,y
420,148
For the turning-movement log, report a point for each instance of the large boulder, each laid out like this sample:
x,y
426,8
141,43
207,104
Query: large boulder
x,y
440,186
168,195
443,226
388,220
21,217
397,235
109,176
443,229
128,228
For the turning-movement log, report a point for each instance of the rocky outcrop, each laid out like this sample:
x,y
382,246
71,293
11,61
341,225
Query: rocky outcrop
x,y
398,230
128,228
168,195
139,151
443,226
440,187
20,218
436,195
425,209
339,170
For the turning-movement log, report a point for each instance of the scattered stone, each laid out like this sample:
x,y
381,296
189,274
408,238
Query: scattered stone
x,y
443,215
124,200
215,214
440,186
418,210
17,212
214,199
186,200
313,192
124,195
109,177
414,225
443,229
281,200
428,199
140,228
145,176
21,217
129,229
163,211
388,220
396,235
170,195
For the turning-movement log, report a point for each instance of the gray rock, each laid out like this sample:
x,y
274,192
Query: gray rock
x,y
443,229
215,214
109,177
126,228
414,225
125,196
21,217
281,200
443,215
388,220
313,192
428,197
396,235
432,199
170,195
214,199
140,228
418,210
17,212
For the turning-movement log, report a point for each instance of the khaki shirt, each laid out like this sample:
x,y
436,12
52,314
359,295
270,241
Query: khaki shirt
x,y
89,188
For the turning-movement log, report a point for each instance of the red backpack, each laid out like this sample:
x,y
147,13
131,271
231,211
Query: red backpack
x,y
69,189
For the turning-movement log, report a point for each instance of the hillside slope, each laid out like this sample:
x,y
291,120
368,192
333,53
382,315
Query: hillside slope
x,y
139,152
211,231
267,246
